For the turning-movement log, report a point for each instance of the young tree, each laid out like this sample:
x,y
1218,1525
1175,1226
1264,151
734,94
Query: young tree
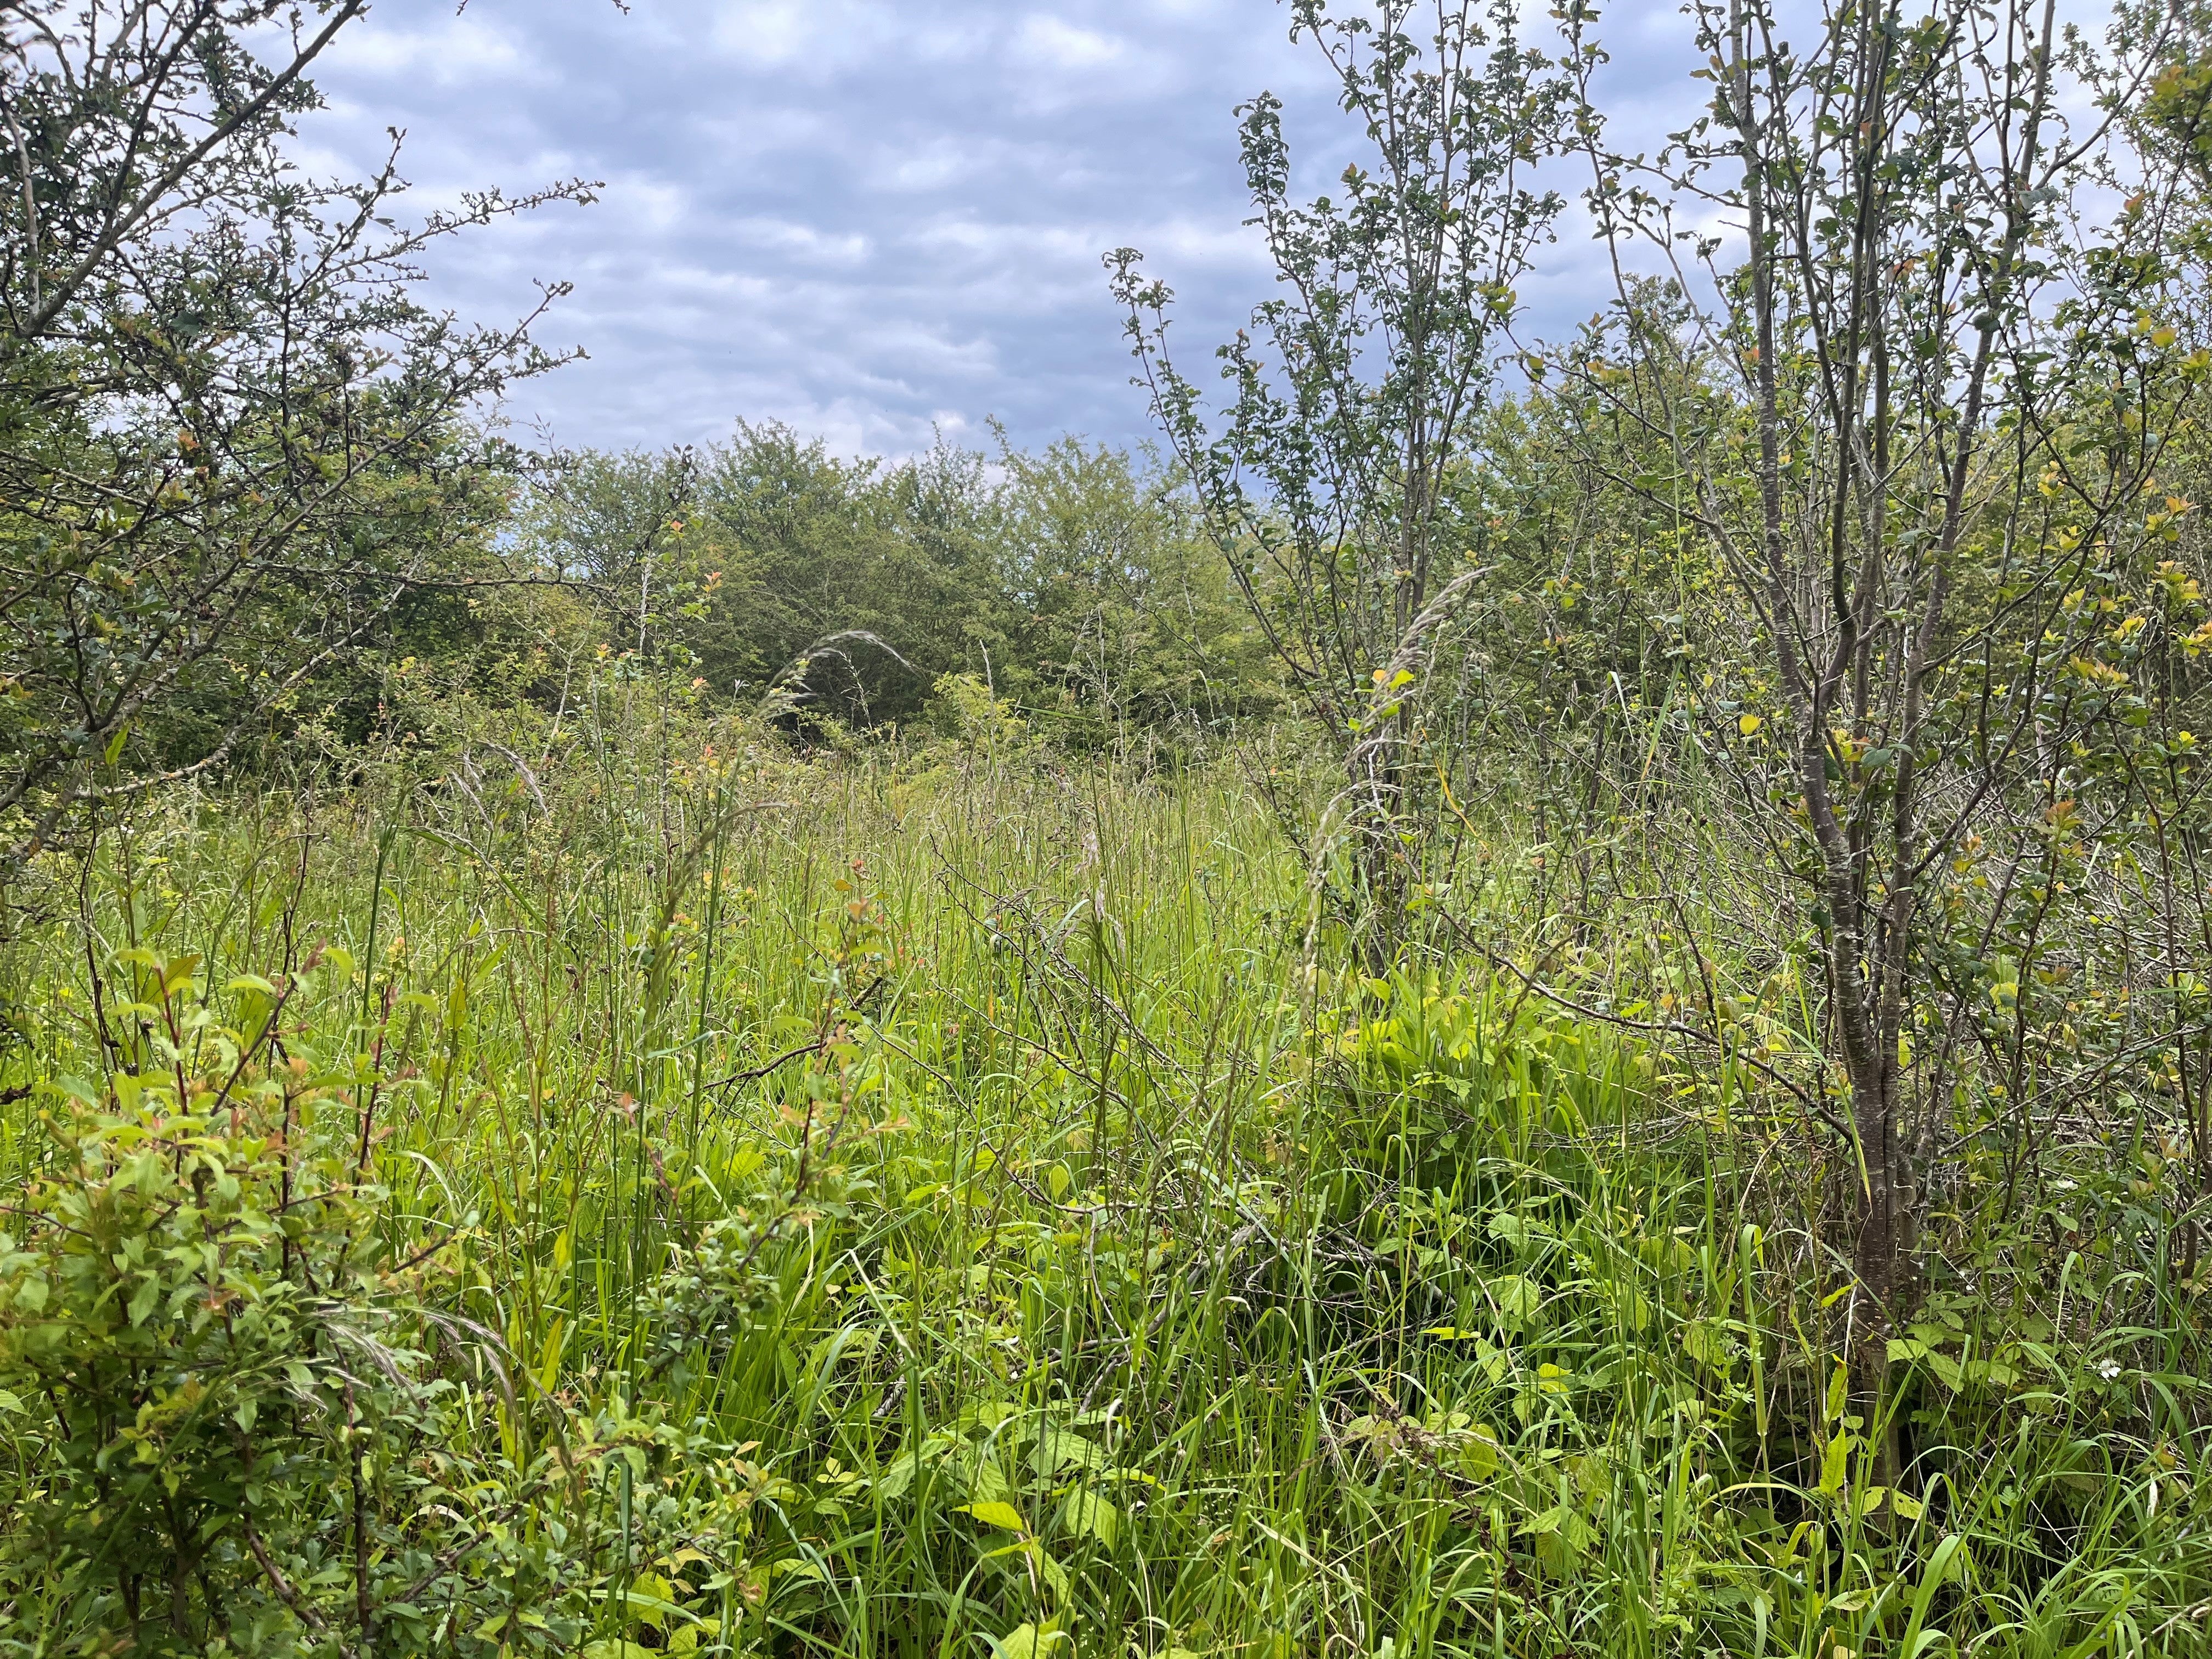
x,y
1355,391
613,523
1928,450
850,585
231,440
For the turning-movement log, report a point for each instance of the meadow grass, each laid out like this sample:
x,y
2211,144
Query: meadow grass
x,y
964,1215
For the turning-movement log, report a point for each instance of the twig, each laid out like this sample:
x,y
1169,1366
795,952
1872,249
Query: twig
x,y
784,1059
285,1593
1659,1027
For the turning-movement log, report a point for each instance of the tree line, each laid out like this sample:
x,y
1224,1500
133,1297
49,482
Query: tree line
x,y
1071,582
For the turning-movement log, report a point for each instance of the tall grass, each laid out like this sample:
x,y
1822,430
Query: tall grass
x,y
954,1179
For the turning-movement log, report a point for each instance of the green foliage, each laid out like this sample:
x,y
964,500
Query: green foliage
x,y
235,450
856,584
1354,397
249,1426
832,1235
840,595
1122,616
601,1184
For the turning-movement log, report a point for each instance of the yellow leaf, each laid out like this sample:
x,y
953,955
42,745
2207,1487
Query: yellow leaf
x,y
993,1513
1836,1465
1479,1454
1748,724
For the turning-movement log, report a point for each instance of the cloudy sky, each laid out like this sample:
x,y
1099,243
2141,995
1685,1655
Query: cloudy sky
x,y
864,217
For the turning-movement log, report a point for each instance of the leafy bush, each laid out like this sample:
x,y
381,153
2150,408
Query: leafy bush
x,y
252,1429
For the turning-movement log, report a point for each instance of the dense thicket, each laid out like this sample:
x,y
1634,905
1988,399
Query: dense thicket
x,y
1070,581
1850,553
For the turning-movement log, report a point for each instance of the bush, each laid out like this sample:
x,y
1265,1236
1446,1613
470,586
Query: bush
x,y
243,1426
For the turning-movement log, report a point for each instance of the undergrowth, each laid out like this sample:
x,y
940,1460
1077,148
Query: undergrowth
x,y
944,1206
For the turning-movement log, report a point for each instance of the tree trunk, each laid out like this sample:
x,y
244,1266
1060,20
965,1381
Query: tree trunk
x,y
1882,1234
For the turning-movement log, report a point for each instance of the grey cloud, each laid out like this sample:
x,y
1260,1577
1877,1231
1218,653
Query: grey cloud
x,y
863,218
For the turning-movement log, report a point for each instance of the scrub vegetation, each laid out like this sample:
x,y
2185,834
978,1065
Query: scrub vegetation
x,y
1522,999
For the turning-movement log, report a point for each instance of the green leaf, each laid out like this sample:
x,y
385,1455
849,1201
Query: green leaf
x,y
647,1600
1086,1514
1950,1555
1840,1394
1836,1465
1516,1298
1056,1448
1708,1345
898,1475
1028,1641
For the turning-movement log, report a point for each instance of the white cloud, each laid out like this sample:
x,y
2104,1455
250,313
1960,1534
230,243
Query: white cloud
x,y
646,206
805,243
451,51
1060,45
934,165
777,32
811,41
862,216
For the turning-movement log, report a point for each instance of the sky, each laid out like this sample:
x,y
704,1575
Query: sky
x,y
872,220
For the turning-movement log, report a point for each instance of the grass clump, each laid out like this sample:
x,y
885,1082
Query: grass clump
x,y
946,1204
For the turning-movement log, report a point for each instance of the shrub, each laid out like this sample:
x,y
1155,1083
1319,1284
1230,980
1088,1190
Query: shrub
x,y
242,1426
